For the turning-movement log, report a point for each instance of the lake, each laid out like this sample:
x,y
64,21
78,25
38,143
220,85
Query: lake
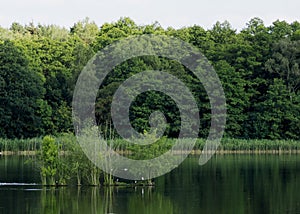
x,y
226,184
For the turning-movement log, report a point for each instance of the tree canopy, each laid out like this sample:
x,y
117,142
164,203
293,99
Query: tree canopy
x,y
258,67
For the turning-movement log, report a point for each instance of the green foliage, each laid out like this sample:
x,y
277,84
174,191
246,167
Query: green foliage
x,y
258,67
85,30
21,88
156,148
284,63
49,160
277,114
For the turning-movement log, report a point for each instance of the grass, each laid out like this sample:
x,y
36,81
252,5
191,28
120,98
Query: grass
x,y
230,145
227,145
20,145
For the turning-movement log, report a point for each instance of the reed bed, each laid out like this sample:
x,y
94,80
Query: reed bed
x,y
11,146
20,145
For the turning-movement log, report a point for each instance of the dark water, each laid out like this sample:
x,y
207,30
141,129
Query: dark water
x,y
226,184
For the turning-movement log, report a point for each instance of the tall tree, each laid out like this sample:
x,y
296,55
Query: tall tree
x,y
276,116
21,92
285,62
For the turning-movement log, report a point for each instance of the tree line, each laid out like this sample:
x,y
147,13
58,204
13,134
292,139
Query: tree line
x,y
258,67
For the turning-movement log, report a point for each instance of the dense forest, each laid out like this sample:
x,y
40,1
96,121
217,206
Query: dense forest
x,y
258,67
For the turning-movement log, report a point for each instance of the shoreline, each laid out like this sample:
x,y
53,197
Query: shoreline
x,y
178,152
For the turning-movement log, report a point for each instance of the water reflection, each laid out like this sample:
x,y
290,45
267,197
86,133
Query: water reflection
x,y
227,184
95,200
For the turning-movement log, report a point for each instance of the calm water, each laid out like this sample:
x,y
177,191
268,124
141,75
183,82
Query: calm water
x,y
226,184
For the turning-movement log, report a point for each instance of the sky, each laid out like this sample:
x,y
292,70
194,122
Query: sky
x,y
172,13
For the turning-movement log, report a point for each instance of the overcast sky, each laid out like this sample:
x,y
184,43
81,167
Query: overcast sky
x,y
167,12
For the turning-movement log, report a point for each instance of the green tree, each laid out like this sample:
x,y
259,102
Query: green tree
x,y
285,62
21,92
85,30
237,98
109,33
55,61
276,116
